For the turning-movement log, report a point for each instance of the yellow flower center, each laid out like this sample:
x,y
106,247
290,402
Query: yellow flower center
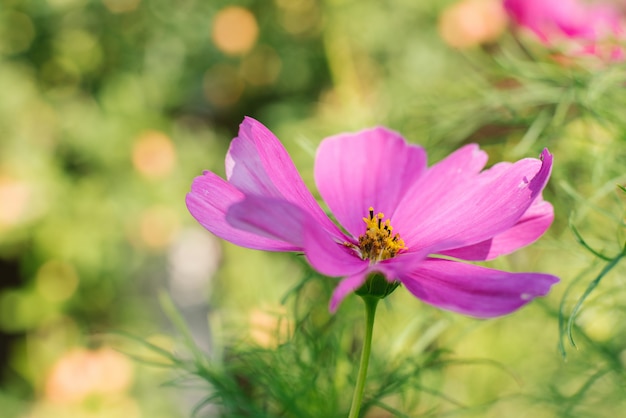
x,y
379,242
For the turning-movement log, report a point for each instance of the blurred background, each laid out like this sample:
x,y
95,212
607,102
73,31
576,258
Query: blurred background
x,y
109,109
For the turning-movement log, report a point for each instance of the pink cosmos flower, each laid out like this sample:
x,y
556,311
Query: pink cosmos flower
x,y
399,216
590,28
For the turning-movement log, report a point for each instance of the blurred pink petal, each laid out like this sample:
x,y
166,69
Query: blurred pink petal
x,y
589,25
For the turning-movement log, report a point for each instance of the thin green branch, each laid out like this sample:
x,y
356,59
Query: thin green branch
x,y
590,288
582,242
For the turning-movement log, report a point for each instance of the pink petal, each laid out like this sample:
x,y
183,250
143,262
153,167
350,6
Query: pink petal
x,y
269,217
344,288
371,168
527,230
405,262
208,202
328,254
439,187
473,290
555,20
258,164
491,204
548,17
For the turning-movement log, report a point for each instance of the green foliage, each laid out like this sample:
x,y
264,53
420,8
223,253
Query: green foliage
x,y
308,373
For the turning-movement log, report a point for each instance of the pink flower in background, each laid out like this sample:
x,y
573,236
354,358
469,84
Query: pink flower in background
x,y
396,213
583,28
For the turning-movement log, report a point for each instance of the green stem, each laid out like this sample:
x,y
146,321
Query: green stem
x,y
370,313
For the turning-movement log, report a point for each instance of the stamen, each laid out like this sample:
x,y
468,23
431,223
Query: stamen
x,y
378,242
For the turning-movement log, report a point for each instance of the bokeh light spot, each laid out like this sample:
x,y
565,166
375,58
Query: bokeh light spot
x,y
158,226
298,17
57,281
81,372
16,32
154,155
261,67
81,47
235,30
15,196
270,327
193,259
472,22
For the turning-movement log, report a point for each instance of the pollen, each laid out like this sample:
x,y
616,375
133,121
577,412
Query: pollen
x,y
379,242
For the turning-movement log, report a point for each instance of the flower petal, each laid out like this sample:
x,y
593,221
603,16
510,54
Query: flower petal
x,y
258,164
373,168
527,230
438,188
552,20
269,217
328,254
473,290
344,288
208,202
491,204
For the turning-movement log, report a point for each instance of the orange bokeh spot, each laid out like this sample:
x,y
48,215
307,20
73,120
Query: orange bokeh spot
x,y
235,30
472,22
157,227
154,155
57,280
81,373
270,328
15,196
